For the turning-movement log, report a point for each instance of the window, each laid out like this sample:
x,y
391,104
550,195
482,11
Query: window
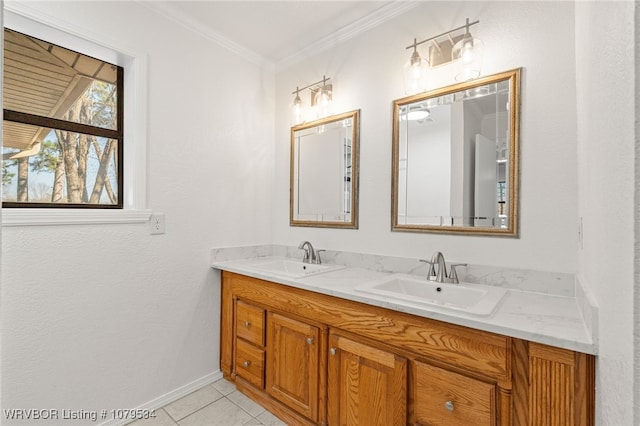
x,y
62,128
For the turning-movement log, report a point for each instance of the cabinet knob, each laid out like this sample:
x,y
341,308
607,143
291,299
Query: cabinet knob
x,y
332,351
246,363
449,405
246,323
309,340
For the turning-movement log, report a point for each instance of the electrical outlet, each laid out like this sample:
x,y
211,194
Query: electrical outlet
x,y
156,223
581,234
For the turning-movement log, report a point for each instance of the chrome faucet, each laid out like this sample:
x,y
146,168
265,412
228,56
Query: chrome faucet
x,y
438,269
310,254
438,259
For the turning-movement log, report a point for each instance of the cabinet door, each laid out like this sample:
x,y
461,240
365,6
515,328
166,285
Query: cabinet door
x,y
561,386
445,398
293,363
367,386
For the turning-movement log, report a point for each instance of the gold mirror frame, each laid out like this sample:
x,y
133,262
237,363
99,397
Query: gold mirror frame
x,y
351,200
513,113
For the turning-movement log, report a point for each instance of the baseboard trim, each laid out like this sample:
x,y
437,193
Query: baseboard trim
x,y
169,397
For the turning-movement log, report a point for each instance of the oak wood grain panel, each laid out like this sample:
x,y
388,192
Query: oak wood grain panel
x,y
250,363
250,323
483,352
585,389
445,398
293,363
226,328
365,388
561,386
504,407
322,377
550,400
520,383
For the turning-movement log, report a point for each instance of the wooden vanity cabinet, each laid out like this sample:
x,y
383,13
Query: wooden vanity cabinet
x,y
366,385
293,358
327,360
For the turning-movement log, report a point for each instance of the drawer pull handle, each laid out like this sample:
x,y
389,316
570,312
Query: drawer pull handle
x,y
246,364
246,324
309,340
332,351
449,405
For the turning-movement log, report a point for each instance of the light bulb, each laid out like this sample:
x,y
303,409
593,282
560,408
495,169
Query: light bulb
x,y
467,51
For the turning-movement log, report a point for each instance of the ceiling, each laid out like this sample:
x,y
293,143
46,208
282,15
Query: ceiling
x,y
276,31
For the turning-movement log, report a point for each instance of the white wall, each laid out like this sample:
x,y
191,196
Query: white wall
x,y
107,316
367,74
605,105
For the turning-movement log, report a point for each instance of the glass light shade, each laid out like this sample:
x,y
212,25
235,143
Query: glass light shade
x,y
326,101
297,110
415,74
322,102
467,57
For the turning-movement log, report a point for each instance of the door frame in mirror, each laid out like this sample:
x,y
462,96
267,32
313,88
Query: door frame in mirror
x,y
512,229
352,223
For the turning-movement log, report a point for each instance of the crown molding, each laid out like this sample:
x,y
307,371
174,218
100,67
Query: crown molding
x,y
185,20
372,20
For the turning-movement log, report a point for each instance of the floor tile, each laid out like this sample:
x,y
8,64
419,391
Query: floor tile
x,y
268,419
220,413
194,401
245,403
224,386
161,419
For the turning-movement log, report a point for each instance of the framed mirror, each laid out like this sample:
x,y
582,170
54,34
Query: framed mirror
x,y
455,158
324,172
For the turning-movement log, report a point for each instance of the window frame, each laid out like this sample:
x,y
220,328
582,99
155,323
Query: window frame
x,y
70,126
23,18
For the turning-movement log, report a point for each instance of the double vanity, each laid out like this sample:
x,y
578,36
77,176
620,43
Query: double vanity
x,y
352,339
371,340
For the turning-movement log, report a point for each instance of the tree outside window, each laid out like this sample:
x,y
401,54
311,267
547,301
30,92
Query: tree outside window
x,y
62,129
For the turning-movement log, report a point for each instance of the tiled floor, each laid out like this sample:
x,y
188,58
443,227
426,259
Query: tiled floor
x,y
217,404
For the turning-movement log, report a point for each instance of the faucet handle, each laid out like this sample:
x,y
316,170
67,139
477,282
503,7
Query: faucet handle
x,y
453,276
318,260
431,274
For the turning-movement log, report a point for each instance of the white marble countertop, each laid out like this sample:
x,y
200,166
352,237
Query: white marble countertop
x,y
550,319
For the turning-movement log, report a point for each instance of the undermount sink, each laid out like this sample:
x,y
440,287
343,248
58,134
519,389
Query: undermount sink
x,y
292,268
474,299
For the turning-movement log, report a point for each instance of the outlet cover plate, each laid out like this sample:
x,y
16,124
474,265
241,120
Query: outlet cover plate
x,y
156,223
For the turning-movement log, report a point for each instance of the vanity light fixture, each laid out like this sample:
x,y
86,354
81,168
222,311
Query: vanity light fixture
x,y
462,49
321,101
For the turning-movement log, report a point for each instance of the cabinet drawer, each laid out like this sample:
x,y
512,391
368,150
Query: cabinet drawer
x,y
250,323
445,398
250,363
